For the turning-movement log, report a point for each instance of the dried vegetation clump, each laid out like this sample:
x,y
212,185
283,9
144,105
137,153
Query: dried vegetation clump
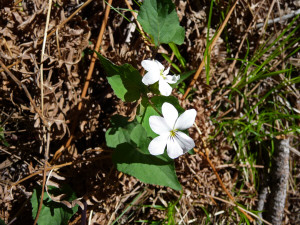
x,y
88,168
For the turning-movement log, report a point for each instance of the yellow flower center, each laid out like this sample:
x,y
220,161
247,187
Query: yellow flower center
x,y
162,74
173,133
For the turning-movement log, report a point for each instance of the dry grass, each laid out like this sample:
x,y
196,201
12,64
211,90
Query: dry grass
x,y
85,162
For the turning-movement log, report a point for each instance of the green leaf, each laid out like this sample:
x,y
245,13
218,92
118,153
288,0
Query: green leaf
x,y
132,156
177,54
53,213
2,222
146,110
139,137
125,80
147,168
2,137
159,19
119,132
170,61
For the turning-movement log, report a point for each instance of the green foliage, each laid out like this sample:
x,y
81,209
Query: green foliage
x,y
177,54
120,131
125,80
132,157
208,43
2,137
171,212
131,139
127,208
267,112
166,57
2,222
159,19
207,221
53,213
262,68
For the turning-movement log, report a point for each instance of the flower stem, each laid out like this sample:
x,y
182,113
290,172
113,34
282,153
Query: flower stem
x,y
154,107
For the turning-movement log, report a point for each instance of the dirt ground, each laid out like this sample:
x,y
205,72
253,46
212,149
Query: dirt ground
x,y
103,192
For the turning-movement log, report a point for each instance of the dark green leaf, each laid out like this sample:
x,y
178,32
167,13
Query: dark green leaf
x,y
125,80
149,169
53,213
2,222
119,132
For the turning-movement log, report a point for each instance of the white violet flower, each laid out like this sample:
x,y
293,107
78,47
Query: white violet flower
x,y
168,128
156,73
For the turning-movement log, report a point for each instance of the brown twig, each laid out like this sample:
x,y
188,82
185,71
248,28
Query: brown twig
x,y
138,24
210,47
221,182
11,65
87,81
230,70
22,86
268,16
17,2
278,183
55,167
65,21
94,57
206,156
42,195
6,45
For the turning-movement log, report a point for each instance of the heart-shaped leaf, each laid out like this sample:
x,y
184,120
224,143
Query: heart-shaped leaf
x,y
159,19
125,80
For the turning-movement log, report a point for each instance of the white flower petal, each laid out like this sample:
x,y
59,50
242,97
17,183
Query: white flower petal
x,y
173,148
150,78
172,79
150,65
164,88
158,125
158,144
166,72
159,65
185,142
170,114
186,120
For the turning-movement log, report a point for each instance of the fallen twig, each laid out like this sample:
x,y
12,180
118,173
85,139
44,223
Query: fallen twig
x,y
206,156
274,207
210,47
56,167
65,21
11,65
138,24
87,82
279,19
